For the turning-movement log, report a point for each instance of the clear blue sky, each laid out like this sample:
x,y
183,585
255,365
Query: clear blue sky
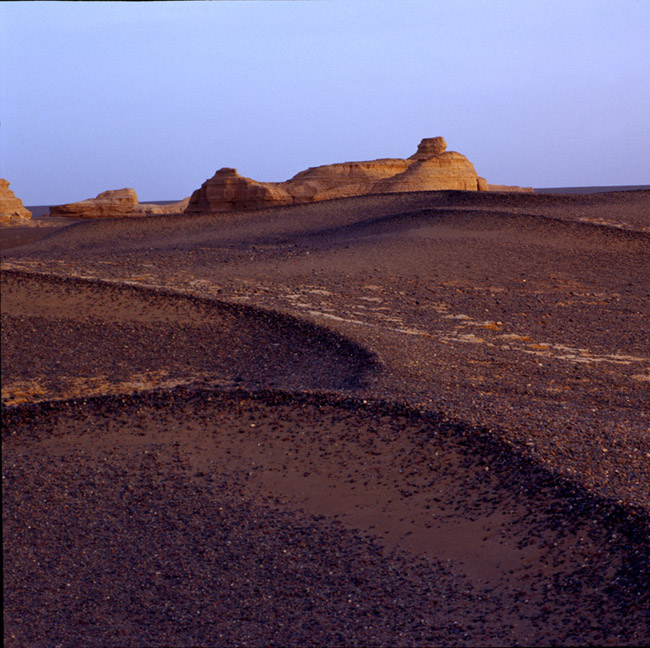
x,y
159,95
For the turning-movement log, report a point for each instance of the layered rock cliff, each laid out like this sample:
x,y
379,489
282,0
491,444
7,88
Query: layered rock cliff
x,y
12,210
430,168
227,190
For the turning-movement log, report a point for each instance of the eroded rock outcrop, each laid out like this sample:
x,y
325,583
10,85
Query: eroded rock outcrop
x,y
430,168
227,190
429,147
12,210
496,187
116,203
147,209
445,170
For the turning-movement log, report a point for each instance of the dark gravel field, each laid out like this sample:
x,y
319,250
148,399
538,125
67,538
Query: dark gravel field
x,y
412,419
197,517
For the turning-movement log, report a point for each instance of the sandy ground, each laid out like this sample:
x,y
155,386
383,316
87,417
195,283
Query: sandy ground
x,y
393,420
32,230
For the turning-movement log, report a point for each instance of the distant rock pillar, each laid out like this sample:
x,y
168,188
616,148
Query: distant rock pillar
x,y
430,147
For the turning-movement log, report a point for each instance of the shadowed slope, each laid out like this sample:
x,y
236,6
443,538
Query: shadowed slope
x,y
64,338
622,210
519,312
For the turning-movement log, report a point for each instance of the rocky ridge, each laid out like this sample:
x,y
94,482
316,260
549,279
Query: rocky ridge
x,y
430,168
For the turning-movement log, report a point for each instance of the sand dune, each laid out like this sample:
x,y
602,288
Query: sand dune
x,y
410,419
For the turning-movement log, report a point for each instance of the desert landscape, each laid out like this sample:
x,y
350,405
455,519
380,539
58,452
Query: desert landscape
x,y
379,404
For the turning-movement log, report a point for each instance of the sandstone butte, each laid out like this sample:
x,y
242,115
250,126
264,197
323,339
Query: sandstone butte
x,y
430,168
115,203
12,211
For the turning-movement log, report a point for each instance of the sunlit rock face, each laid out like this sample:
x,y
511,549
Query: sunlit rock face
x,y
116,203
227,190
445,170
430,168
429,147
12,211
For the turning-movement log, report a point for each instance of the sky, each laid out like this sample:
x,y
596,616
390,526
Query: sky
x,y
158,96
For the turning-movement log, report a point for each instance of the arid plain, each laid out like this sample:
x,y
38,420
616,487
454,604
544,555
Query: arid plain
x,y
404,419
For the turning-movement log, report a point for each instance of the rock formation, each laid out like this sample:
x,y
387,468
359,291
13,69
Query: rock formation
x,y
429,147
118,202
227,190
495,187
430,168
147,209
445,170
115,204
12,211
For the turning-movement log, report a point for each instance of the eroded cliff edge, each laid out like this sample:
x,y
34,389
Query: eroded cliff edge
x,y
430,168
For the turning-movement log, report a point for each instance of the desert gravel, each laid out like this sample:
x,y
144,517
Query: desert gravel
x,y
415,419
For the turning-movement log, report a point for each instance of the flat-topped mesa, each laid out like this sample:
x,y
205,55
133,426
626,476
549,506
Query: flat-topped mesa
x,y
12,210
430,168
115,203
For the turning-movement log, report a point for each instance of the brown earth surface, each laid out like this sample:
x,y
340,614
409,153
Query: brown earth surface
x,y
408,419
